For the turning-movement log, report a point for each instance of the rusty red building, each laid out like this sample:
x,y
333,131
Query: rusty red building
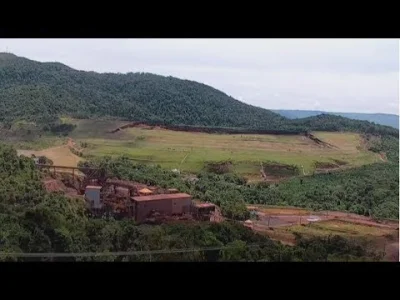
x,y
165,204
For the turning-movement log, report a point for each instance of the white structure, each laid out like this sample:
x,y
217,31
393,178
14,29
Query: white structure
x,y
313,219
92,194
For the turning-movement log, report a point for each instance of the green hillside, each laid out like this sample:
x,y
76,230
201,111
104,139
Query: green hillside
x,y
42,92
35,221
32,90
378,118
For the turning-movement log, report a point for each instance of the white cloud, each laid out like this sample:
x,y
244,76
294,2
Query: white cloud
x,y
341,75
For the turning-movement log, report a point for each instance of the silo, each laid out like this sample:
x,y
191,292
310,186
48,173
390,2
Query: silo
x,y
92,194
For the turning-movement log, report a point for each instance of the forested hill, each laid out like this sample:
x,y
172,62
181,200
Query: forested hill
x,y
30,89
383,119
41,92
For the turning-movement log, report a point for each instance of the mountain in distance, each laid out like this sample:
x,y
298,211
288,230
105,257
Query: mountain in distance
x,y
43,92
378,118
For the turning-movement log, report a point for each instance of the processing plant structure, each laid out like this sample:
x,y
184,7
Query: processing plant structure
x,y
119,198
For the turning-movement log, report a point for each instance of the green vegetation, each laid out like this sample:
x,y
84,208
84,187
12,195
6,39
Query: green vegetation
x,y
38,102
383,119
44,92
221,167
280,170
34,221
371,190
191,152
389,145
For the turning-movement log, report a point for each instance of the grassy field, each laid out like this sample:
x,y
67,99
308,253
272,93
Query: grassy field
x,y
374,238
60,155
36,144
340,228
189,151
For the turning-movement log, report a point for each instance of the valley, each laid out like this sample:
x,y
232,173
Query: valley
x,y
161,164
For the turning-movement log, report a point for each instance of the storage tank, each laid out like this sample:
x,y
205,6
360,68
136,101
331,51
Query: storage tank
x,y
92,194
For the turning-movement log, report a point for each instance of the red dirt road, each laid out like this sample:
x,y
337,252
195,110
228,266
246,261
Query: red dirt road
x,y
274,217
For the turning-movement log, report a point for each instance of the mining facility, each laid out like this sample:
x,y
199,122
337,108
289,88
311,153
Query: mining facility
x,y
129,199
144,204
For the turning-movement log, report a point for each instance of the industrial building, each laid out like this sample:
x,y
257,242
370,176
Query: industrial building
x,y
119,199
126,199
165,204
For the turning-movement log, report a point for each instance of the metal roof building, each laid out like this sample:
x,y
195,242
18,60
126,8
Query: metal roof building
x,y
166,204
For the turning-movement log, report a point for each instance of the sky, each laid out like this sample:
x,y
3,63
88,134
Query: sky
x,y
338,75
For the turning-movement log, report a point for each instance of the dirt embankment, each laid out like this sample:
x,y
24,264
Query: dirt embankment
x,y
222,130
73,147
293,216
275,172
131,125
326,167
60,155
222,167
382,156
318,141
60,183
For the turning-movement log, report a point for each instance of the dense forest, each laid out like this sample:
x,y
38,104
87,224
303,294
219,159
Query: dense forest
x,y
34,221
42,92
378,118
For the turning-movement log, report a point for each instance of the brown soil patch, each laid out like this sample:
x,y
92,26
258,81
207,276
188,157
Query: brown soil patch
x,y
217,215
325,165
219,167
279,211
319,142
392,251
339,214
276,216
131,125
287,220
53,185
276,172
285,237
368,223
280,170
60,155
340,162
143,126
382,156
280,223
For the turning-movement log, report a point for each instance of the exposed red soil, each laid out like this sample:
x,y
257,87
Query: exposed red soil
x,y
392,251
382,156
217,215
219,167
369,223
325,165
192,129
291,217
275,172
54,185
73,147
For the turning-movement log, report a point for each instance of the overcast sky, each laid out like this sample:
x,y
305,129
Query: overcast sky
x,y
343,75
